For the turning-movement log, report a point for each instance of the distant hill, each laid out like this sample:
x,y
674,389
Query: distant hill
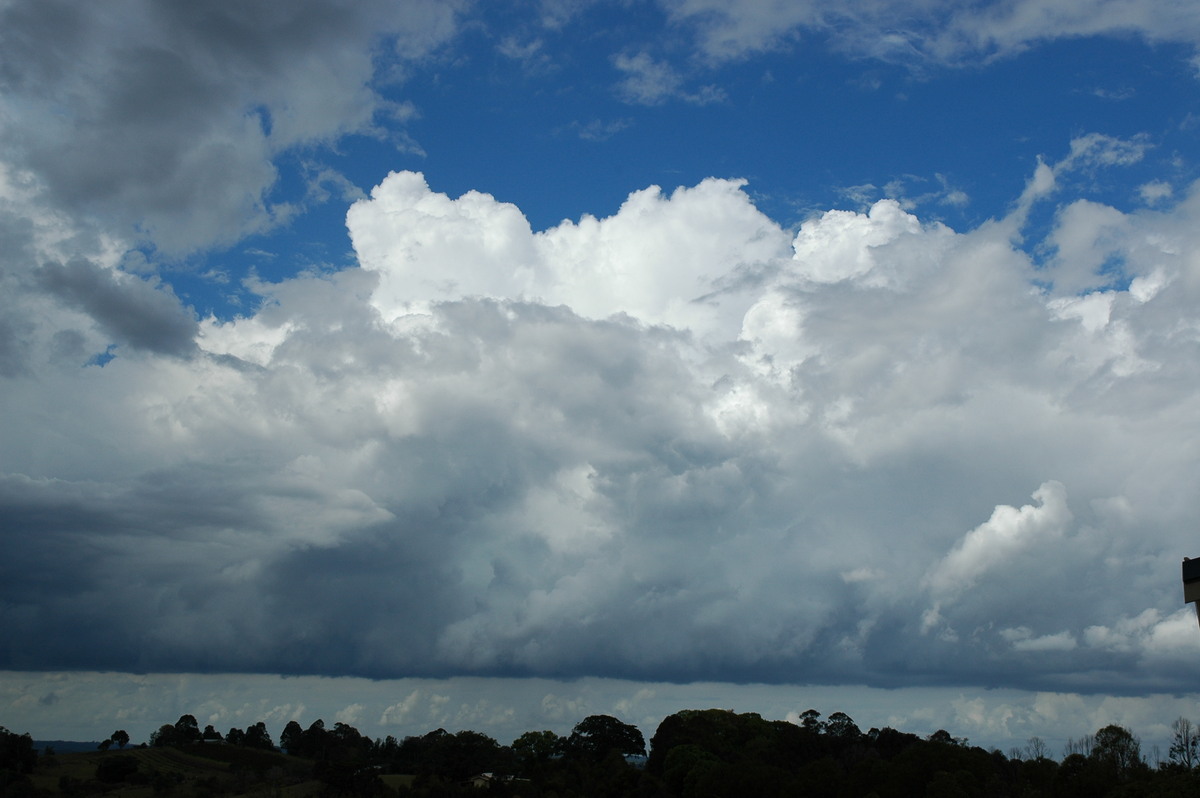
x,y
194,770
66,746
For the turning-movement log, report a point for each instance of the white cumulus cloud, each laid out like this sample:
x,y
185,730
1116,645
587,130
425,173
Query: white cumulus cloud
x,y
1010,531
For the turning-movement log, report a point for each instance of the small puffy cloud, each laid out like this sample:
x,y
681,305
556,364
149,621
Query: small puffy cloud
x,y
1151,634
1009,532
1087,245
728,30
826,251
351,714
1039,185
1118,94
402,712
531,54
651,82
598,130
1155,191
910,191
863,575
559,707
1022,639
1097,149
646,81
1087,154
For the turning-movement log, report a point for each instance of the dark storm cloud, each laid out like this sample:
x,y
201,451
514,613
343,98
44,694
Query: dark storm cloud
x,y
14,349
132,310
16,326
165,117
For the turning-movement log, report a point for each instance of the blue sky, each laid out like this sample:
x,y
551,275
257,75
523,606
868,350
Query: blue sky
x,y
547,358
562,123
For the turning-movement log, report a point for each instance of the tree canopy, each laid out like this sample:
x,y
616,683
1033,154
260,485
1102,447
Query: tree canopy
x,y
712,753
596,736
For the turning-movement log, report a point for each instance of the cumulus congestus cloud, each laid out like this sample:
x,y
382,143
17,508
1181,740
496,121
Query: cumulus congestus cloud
x,y
677,442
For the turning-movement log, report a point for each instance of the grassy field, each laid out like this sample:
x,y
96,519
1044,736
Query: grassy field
x,y
201,770
395,782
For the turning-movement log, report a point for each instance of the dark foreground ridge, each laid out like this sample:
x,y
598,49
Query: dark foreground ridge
x,y
710,753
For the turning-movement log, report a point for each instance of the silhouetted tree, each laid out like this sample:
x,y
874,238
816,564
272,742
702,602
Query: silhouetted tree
x,y
1083,746
258,737
120,737
840,725
188,729
314,742
163,735
454,756
537,746
290,738
1185,744
943,737
596,735
1119,748
1080,777
16,752
701,749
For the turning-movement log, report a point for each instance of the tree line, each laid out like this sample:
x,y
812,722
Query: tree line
x,y
693,753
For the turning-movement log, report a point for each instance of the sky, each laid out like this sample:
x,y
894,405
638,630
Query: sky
x,y
486,365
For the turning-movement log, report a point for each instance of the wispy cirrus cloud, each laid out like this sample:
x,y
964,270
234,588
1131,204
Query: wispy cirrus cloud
x,y
940,32
649,81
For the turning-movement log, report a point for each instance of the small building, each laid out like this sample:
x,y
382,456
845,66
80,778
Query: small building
x,y
481,780
1191,584
488,779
